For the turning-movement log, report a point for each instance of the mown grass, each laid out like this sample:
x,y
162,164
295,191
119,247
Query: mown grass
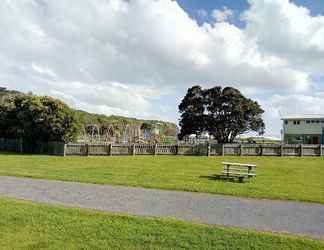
x,y
25,225
287,178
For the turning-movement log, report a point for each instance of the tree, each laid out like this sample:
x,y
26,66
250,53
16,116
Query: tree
x,y
147,126
8,121
223,113
37,118
192,112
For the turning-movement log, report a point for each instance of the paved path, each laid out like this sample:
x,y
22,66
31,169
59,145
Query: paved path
x,y
280,216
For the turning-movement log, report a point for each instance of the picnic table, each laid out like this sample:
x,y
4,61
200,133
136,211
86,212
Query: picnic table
x,y
238,170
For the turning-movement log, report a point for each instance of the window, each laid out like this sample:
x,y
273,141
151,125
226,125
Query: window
x,y
286,122
296,122
317,121
308,121
313,121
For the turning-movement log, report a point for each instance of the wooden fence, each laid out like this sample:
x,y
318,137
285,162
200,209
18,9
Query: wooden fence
x,y
10,145
61,149
49,148
200,149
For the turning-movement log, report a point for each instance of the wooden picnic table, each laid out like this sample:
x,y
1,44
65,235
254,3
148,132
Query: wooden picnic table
x,y
239,170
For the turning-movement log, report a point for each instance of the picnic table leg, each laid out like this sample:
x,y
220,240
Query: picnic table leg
x,y
227,171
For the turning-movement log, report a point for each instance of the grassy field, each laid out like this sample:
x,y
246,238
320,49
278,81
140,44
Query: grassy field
x,y
25,225
278,177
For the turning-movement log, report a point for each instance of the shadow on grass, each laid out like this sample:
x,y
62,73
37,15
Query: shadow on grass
x,y
219,177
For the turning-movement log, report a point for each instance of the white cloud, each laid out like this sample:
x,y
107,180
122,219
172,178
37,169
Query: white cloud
x,y
289,31
126,56
43,70
222,15
298,104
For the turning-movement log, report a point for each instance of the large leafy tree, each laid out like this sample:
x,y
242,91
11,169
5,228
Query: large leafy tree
x,y
35,118
223,113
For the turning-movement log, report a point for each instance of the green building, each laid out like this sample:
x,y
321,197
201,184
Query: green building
x,y
303,129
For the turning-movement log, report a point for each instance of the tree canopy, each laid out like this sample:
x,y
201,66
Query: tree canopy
x,y
36,118
223,113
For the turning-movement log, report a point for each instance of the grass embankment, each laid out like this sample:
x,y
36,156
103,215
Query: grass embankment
x,y
278,177
25,225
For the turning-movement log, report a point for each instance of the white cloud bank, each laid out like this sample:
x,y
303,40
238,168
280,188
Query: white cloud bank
x,y
122,57
289,31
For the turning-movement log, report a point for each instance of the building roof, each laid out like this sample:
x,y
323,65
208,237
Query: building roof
x,y
298,117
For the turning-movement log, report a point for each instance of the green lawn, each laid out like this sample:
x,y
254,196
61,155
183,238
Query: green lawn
x,y
291,178
25,225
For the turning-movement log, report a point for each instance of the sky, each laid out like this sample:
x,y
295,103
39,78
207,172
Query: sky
x,y
138,57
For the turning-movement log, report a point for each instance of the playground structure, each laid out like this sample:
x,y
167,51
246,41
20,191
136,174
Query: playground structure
x,y
120,133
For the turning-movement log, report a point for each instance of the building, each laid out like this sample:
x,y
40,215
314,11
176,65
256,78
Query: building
x,y
306,129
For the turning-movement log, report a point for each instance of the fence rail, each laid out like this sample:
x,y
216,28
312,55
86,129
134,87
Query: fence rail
x,y
200,149
106,149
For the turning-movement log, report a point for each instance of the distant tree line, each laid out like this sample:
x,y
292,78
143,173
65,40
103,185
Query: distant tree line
x,y
221,112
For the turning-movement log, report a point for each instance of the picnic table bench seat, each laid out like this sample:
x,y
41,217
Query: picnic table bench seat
x,y
238,170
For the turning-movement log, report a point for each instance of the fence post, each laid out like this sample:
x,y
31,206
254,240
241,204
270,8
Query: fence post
x,y
110,149
320,150
21,146
87,149
64,150
208,149
281,150
261,150
223,149
301,150
155,148
133,149
177,149
240,147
